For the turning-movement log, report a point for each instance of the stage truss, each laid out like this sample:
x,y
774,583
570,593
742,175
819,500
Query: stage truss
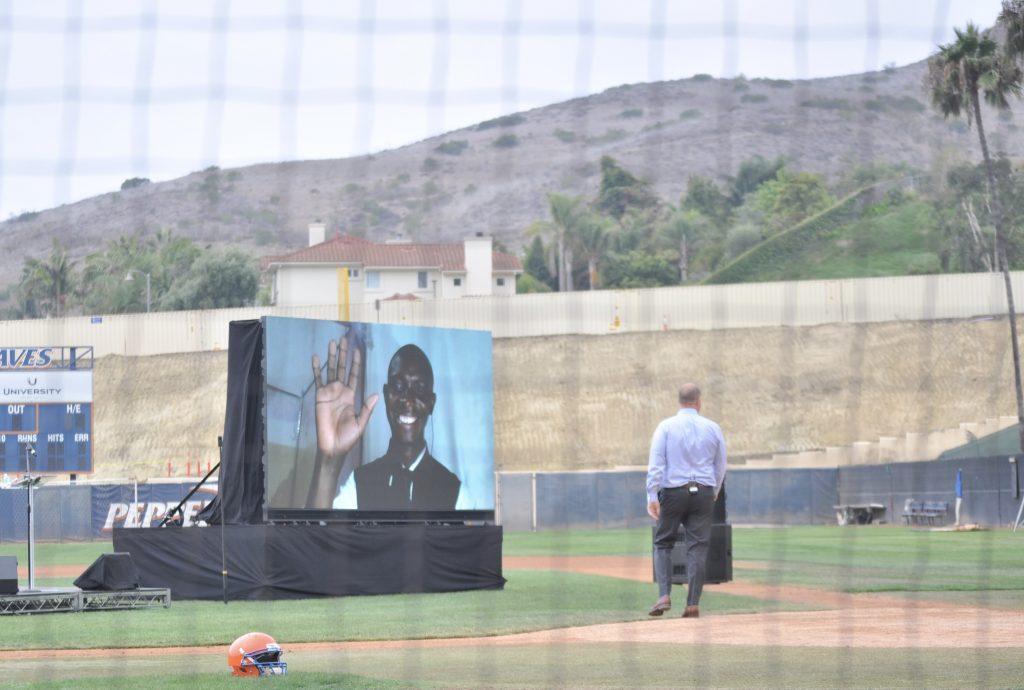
x,y
75,600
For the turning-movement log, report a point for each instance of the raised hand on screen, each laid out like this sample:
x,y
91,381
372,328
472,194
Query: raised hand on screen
x,y
338,426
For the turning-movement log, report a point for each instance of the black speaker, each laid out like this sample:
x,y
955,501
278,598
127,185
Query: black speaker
x,y
8,574
719,564
111,572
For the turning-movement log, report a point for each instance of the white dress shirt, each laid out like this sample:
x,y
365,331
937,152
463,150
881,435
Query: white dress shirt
x,y
686,448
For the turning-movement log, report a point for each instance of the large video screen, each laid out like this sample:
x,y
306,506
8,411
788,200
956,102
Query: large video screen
x,y
377,417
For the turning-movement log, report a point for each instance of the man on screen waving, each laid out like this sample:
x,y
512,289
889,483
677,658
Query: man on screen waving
x,y
406,477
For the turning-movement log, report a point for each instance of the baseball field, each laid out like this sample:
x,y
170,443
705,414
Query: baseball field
x,y
809,607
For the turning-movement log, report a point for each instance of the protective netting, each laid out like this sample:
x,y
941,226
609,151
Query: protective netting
x,y
797,205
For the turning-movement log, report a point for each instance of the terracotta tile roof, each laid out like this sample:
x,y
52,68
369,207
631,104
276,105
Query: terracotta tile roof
x,y
355,250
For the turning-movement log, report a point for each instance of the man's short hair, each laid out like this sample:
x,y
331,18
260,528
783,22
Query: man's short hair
x,y
412,355
689,394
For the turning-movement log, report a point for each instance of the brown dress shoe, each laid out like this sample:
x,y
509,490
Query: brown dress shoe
x,y
659,608
691,612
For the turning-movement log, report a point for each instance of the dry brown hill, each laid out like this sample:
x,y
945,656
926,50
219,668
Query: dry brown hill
x,y
494,176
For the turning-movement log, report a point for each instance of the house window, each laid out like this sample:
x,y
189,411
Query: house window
x,y
501,282
353,273
373,279
457,281
421,280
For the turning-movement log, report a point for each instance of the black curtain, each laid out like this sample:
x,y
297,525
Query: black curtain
x,y
239,500
299,561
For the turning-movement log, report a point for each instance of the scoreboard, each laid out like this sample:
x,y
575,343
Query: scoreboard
x,y
46,402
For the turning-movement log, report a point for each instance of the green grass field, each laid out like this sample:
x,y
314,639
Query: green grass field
x,y
590,666
968,567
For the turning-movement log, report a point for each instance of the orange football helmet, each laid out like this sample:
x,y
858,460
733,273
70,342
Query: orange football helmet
x,y
256,654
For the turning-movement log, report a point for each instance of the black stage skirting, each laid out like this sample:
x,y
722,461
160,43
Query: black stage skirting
x,y
299,561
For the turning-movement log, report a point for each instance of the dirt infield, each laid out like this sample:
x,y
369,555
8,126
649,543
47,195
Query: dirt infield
x,y
53,571
880,628
639,568
849,620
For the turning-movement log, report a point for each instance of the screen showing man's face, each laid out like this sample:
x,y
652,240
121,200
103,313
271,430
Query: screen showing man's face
x,y
409,398
382,401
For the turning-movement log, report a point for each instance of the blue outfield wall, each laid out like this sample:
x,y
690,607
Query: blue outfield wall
x,y
991,487
83,512
584,500
594,500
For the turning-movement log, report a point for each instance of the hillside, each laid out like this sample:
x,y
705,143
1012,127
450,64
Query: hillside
x,y
891,240
867,233
494,176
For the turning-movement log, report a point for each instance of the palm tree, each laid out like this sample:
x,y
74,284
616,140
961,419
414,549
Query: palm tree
x,y
683,228
50,281
958,76
566,214
1012,19
593,236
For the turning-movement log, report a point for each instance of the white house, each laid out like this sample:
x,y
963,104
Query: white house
x,y
388,270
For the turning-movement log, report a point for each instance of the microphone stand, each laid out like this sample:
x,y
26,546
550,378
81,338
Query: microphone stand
x,y
29,481
220,495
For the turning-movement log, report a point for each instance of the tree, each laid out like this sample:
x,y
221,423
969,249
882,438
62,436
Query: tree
x,y
683,229
104,288
47,284
704,195
639,269
565,215
621,190
790,198
959,75
527,284
1012,19
218,279
535,262
751,175
593,237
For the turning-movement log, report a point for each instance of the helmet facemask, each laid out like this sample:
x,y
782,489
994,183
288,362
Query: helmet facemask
x,y
267,661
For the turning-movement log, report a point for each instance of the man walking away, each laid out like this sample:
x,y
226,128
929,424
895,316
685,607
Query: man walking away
x,y
684,475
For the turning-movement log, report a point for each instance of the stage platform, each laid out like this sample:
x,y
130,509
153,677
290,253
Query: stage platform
x,y
295,561
72,600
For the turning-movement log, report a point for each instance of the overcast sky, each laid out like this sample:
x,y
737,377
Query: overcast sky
x,y
93,92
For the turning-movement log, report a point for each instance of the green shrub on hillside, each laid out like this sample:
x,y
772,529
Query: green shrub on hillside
x,y
631,113
503,121
506,141
827,103
133,182
690,114
565,136
753,98
776,83
905,104
452,148
609,137
26,216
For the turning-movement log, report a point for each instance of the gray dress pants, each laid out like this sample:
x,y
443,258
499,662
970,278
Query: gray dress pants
x,y
694,512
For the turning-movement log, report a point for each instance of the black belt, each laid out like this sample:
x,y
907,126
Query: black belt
x,y
687,485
